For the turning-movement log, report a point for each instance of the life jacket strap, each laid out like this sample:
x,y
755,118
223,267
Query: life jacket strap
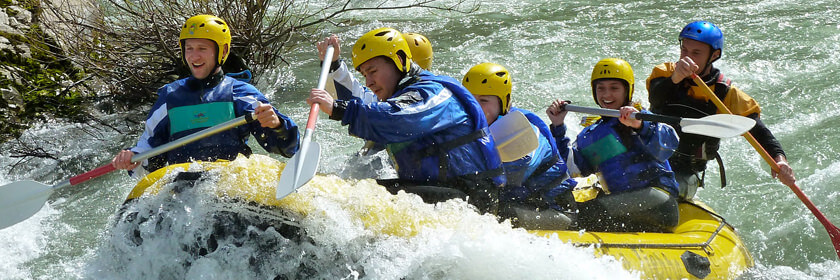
x,y
441,150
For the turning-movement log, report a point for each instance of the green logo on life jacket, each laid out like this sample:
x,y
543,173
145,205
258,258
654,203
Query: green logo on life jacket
x,y
199,116
603,150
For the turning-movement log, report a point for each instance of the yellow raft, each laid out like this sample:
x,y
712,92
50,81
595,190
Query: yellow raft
x,y
702,246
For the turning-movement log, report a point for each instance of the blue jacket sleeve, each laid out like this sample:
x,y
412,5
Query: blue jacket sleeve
x,y
411,115
282,140
575,162
156,132
659,140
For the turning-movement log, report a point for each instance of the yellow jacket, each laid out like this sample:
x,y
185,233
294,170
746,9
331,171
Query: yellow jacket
x,y
736,100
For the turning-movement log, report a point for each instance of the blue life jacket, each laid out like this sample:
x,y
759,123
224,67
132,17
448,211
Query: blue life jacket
x,y
434,129
538,172
626,166
185,107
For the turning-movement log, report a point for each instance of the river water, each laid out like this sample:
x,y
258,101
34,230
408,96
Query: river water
x,y
782,53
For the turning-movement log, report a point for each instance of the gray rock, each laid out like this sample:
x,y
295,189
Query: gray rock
x,y
4,23
13,99
23,15
24,51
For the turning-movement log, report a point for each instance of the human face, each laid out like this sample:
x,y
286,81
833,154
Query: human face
x,y
699,52
491,105
381,76
200,55
611,94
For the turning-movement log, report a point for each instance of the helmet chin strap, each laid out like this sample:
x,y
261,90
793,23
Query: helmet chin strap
x,y
709,62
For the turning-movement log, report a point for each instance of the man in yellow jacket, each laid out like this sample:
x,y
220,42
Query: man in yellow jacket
x,y
672,91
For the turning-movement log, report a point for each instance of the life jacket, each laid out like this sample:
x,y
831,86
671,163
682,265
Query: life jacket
x,y
521,171
468,158
622,166
694,151
541,169
192,110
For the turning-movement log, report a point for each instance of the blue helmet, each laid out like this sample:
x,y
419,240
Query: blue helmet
x,y
705,32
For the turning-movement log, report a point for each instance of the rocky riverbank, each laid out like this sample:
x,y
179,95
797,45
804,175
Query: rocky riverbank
x,y
36,83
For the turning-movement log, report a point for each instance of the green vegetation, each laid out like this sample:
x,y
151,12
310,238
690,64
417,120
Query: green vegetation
x,y
117,61
41,83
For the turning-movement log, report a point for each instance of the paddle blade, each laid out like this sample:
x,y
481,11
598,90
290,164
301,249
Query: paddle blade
x,y
514,136
307,166
718,126
21,200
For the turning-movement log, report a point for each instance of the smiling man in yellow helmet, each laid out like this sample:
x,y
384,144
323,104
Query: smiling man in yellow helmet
x,y
433,128
205,99
538,190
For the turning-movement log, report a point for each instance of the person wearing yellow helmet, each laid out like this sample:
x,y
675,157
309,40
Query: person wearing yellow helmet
x,y
672,91
421,53
421,49
206,98
526,199
433,129
629,156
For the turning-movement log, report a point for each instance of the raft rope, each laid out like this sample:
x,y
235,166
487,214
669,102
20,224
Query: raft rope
x,y
704,245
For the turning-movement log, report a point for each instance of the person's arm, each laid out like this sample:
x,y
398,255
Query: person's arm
x,y
156,133
577,166
768,141
344,86
348,87
766,138
742,104
409,116
281,139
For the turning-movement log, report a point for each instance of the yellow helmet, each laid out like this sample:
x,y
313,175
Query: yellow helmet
x,y
207,27
421,49
382,42
613,68
490,79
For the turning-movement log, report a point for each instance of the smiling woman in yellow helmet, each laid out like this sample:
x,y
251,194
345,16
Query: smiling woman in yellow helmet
x,y
434,130
629,156
207,98
530,178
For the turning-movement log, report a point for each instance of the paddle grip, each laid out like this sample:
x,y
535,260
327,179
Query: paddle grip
x,y
313,116
99,171
322,83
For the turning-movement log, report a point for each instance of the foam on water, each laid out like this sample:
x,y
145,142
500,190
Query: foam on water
x,y
348,229
24,242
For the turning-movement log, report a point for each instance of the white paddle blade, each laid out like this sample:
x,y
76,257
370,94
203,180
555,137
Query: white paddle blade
x,y
288,184
21,200
514,136
718,126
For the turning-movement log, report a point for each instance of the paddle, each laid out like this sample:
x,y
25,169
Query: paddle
x,y
833,231
301,167
718,126
514,136
20,200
